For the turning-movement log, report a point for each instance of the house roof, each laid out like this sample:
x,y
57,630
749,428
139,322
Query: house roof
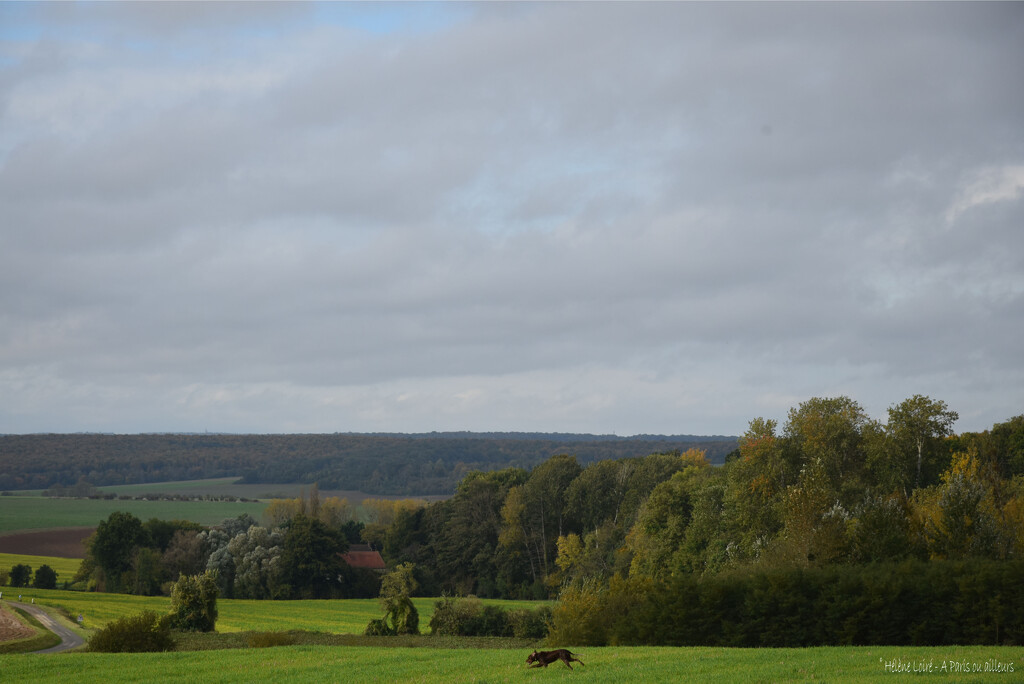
x,y
370,560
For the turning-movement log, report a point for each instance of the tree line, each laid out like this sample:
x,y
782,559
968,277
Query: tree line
x,y
297,555
373,463
830,486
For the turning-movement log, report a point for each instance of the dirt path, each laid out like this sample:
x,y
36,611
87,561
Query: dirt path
x,y
68,639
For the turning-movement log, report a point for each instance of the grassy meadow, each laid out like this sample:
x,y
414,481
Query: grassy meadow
x,y
349,616
611,664
64,567
24,513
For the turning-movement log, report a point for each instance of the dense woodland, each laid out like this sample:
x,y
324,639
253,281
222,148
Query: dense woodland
x,y
418,464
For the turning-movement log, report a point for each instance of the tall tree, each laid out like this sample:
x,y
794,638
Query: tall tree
x,y
755,486
960,517
1007,439
466,543
113,545
830,429
257,566
311,558
916,427
542,514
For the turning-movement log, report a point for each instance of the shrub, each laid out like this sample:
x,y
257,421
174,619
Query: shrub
x,y
492,621
530,624
578,618
469,617
378,627
145,632
194,602
452,616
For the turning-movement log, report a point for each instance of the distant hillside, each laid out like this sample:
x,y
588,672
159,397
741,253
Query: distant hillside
x,y
395,464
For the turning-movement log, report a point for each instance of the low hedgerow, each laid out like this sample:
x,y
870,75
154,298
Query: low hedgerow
x,y
269,639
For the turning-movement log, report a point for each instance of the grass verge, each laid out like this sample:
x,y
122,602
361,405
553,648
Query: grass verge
x,y
44,638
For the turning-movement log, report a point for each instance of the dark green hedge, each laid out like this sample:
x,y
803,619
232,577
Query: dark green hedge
x,y
916,603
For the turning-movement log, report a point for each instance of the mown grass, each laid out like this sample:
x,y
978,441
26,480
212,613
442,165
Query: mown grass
x,y
374,664
24,513
64,567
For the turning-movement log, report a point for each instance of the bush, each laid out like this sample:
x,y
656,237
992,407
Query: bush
x,y
452,616
470,617
194,602
142,633
579,618
378,627
530,624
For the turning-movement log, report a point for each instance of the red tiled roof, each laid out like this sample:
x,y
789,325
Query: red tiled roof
x,y
364,559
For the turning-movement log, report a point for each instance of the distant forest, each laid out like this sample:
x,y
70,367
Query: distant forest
x,y
387,464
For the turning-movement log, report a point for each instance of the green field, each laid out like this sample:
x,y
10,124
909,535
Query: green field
x,y
19,513
64,567
229,486
370,664
349,616
419,661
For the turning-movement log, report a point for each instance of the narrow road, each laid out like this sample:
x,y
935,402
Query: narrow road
x,y
68,639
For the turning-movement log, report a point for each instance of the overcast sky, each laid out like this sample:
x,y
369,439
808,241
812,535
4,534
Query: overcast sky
x,y
608,218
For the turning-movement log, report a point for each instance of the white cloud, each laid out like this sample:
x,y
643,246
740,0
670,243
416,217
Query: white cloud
x,y
987,186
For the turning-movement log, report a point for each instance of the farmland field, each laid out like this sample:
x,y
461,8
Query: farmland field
x,y
611,664
64,567
41,513
348,616
228,486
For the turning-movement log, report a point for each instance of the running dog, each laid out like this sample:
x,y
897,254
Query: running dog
x,y
545,658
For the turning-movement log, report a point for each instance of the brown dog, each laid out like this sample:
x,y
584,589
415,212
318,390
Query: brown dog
x,y
545,658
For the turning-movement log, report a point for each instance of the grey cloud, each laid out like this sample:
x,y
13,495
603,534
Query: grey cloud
x,y
547,216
